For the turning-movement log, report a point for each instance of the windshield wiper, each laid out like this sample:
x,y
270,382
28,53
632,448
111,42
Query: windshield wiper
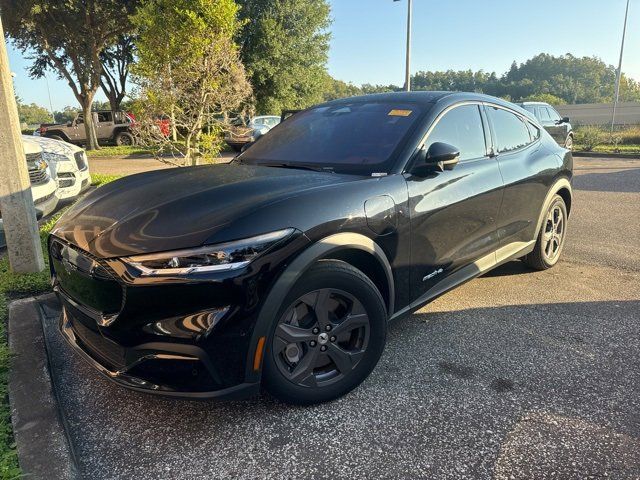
x,y
298,166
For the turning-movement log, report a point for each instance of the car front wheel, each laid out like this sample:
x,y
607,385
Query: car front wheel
x,y
328,337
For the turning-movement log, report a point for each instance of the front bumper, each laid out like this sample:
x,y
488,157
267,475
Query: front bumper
x,y
167,369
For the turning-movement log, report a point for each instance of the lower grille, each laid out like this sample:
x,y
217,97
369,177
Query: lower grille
x,y
44,199
66,179
98,346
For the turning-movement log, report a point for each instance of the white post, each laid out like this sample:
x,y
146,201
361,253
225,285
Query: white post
x,y
16,202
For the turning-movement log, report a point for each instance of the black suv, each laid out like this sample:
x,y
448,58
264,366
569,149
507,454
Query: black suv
x,y
283,268
557,126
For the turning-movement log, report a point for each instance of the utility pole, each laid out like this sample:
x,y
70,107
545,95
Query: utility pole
x,y
619,72
407,72
53,115
16,202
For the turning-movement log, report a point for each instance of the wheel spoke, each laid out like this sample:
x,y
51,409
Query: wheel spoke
x,y
292,334
350,323
344,360
321,307
303,371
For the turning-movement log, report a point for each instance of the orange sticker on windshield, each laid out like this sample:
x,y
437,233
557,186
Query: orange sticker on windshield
x,y
399,113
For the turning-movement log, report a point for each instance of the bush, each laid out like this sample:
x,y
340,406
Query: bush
x,y
629,135
28,131
589,137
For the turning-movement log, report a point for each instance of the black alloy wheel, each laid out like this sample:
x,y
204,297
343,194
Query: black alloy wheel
x,y
328,338
551,237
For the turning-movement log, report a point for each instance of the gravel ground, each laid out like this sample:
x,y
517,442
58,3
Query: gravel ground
x,y
513,375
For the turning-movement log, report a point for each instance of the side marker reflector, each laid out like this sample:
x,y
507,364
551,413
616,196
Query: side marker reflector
x,y
257,359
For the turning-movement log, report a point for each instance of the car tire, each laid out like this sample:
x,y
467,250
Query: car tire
x,y
551,236
304,362
124,139
236,148
568,143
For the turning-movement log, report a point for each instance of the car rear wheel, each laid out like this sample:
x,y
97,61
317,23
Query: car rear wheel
x,y
328,337
550,241
124,139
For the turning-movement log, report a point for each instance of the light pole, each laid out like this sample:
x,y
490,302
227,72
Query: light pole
x,y
619,72
407,73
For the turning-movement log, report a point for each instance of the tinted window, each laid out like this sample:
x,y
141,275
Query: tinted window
x,y
511,132
553,115
543,114
357,137
534,131
258,121
462,128
271,121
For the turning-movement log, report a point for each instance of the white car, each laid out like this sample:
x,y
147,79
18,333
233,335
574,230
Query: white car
x,y
68,163
43,186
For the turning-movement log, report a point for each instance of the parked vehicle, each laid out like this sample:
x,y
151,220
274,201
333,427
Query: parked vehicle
x,y
43,186
243,133
110,128
68,164
557,126
283,268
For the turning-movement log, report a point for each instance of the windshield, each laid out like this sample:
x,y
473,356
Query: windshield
x,y
358,137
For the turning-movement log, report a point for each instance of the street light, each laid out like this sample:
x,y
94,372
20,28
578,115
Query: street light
x,y
619,72
407,73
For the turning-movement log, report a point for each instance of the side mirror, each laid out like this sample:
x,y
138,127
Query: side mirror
x,y
69,124
565,119
440,156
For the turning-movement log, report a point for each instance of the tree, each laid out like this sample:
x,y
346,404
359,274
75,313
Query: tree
x,y
115,60
66,115
33,114
68,37
201,84
334,89
284,45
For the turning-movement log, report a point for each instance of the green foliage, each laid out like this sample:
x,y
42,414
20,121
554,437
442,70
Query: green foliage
x,y
66,115
554,79
334,89
118,151
367,88
33,114
589,137
284,45
99,179
544,97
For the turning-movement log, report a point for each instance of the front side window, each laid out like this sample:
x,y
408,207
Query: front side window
x,y
357,137
510,131
462,128
543,114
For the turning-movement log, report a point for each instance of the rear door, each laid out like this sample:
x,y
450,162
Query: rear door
x,y
548,121
527,171
454,213
104,125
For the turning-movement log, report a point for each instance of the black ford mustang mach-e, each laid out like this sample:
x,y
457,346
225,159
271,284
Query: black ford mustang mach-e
x,y
283,268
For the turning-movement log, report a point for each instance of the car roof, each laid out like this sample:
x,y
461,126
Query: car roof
x,y
534,103
427,98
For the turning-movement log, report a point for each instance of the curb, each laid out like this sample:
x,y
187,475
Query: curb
x,y
623,156
44,451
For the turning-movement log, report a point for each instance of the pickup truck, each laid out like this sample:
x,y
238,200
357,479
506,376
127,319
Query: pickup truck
x,y
110,128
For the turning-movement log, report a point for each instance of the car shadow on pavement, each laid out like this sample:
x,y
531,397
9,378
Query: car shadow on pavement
x,y
519,390
623,181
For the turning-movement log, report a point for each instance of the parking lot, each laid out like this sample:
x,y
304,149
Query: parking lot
x,y
514,375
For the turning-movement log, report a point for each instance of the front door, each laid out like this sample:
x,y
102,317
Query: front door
x,y
454,212
104,125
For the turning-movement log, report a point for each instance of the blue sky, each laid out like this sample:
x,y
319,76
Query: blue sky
x,y
368,39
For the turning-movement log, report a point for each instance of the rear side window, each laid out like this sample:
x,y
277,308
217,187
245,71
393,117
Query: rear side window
x,y
462,128
511,132
534,131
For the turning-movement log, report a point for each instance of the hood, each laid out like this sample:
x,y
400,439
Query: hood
x,y
180,207
49,145
30,147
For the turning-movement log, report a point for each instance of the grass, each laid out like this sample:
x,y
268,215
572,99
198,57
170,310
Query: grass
x,y
13,286
98,179
610,148
115,151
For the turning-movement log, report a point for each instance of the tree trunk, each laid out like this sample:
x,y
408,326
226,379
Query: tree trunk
x,y
89,125
174,133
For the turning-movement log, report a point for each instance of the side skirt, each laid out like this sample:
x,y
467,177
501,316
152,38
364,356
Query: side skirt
x,y
471,271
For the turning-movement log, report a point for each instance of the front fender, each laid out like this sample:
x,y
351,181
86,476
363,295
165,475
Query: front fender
x,y
292,274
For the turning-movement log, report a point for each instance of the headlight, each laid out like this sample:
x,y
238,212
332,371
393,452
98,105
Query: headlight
x,y
211,258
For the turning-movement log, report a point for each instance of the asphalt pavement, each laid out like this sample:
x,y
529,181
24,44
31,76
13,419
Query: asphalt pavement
x,y
517,374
